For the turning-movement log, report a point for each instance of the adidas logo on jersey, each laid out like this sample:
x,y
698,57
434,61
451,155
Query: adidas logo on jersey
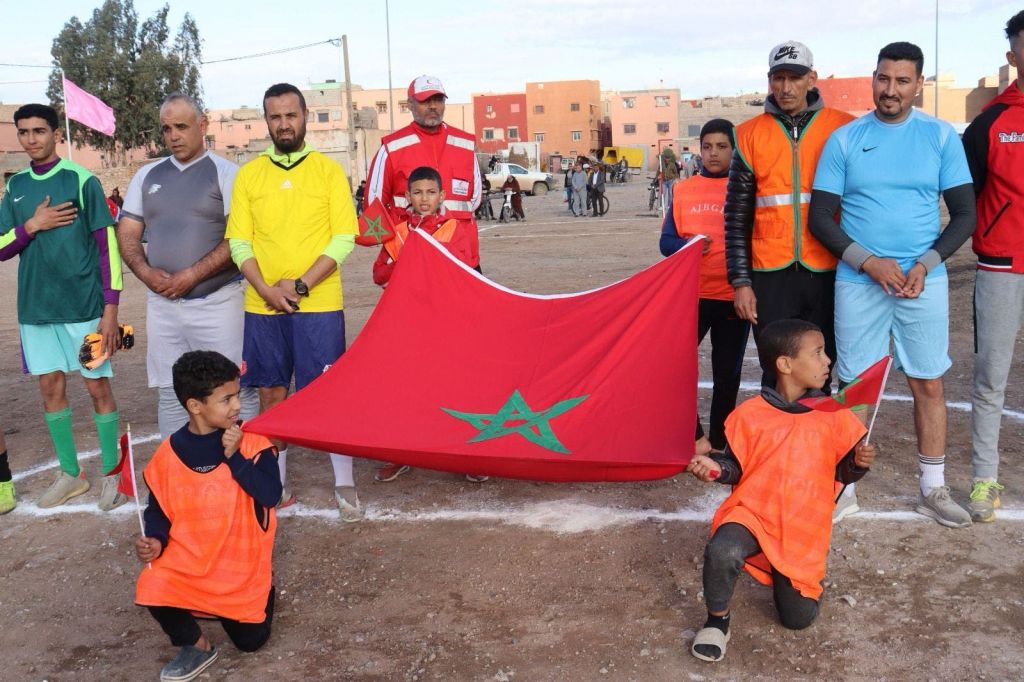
x,y
153,189
287,184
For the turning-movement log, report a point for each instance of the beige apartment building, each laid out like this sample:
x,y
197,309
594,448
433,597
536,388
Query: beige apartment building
x,y
564,116
648,119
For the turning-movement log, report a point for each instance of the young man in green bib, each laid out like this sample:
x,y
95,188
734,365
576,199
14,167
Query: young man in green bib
x,y
54,217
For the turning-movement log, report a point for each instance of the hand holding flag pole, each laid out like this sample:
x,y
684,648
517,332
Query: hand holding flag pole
x,y
127,483
878,401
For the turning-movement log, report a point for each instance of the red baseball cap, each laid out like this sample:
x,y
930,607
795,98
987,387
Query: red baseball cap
x,y
423,88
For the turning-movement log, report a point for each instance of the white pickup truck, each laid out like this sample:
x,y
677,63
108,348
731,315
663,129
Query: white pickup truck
x,y
531,182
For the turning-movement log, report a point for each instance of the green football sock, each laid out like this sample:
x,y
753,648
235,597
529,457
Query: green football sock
x,y
106,429
63,436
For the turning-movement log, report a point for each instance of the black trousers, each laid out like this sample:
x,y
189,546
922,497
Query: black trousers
x,y
796,292
728,344
723,559
181,626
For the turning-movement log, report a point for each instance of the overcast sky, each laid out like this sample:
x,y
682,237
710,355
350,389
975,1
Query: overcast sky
x,y
702,48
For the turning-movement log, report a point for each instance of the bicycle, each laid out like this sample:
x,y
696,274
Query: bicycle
x,y
654,196
603,204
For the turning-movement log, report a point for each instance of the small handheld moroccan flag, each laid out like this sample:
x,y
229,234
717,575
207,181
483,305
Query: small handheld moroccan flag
x,y
375,225
126,485
859,394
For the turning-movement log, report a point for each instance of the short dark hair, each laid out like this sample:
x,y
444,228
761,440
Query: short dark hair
x,y
903,51
782,338
717,125
1015,25
425,173
279,89
43,111
198,373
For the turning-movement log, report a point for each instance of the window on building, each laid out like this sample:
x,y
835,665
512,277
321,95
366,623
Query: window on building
x,y
577,135
355,105
661,100
628,102
382,107
211,142
593,109
629,129
573,153
403,107
663,128
322,117
335,114
538,137
538,109
514,108
489,108
692,130
488,133
248,127
513,132
574,106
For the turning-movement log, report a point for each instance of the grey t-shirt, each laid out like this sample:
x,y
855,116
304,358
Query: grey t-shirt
x,y
184,209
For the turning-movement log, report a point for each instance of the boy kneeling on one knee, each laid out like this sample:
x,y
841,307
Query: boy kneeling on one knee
x,y
784,461
210,521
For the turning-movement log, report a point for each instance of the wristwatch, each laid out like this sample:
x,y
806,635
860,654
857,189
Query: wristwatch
x,y
301,288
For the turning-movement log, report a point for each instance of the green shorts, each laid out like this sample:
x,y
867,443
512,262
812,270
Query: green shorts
x,y
47,348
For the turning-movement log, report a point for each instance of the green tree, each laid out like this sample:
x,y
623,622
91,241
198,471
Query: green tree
x,y
129,65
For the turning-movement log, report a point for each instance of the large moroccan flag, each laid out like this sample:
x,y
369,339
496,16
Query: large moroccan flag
x,y
457,373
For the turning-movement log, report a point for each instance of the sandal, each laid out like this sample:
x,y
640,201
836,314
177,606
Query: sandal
x,y
710,637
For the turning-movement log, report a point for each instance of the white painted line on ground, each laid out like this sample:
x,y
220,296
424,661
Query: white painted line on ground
x,y
565,235
81,456
558,516
958,405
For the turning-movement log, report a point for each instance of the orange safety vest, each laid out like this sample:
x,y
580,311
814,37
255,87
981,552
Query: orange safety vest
x,y
443,234
786,493
698,208
217,559
784,176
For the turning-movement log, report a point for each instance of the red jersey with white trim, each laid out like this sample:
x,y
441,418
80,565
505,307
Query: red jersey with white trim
x,y
448,150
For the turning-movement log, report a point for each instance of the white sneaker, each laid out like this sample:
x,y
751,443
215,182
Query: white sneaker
x,y
348,503
845,505
937,504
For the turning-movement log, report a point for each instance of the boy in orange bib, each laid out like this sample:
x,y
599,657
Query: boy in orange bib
x,y
784,461
210,521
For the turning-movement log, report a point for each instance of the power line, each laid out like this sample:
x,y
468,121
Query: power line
x,y
30,66
332,41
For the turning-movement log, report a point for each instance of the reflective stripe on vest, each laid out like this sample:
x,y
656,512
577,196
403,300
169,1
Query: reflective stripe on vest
x,y
460,142
443,234
402,142
450,204
782,200
783,172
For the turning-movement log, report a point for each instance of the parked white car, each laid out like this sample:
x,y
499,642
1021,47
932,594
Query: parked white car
x,y
531,182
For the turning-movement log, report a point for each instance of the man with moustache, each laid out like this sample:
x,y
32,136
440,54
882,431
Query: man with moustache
x,y
428,141
776,267
292,224
196,293
886,171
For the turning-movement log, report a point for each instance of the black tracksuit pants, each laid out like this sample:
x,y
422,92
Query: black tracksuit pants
x,y
728,345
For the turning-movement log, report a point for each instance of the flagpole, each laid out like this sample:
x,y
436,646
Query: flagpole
x,y
885,380
67,123
135,487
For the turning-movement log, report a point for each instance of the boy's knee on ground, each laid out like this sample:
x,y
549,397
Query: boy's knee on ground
x,y
250,642
799,618
722,554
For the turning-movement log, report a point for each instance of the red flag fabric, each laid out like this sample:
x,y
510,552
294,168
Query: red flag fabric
x,y
862,392
88,109
375,225
125,484
456,373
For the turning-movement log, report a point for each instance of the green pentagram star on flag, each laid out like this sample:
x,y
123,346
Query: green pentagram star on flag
x,y
374,228
516,416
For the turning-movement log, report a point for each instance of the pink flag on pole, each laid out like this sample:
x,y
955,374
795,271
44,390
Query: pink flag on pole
x,y
88,109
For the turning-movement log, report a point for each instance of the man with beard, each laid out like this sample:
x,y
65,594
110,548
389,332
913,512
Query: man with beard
x,y
292,224
885,171
429,141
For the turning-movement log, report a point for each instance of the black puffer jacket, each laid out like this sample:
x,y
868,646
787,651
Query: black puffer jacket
x,y
742,192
